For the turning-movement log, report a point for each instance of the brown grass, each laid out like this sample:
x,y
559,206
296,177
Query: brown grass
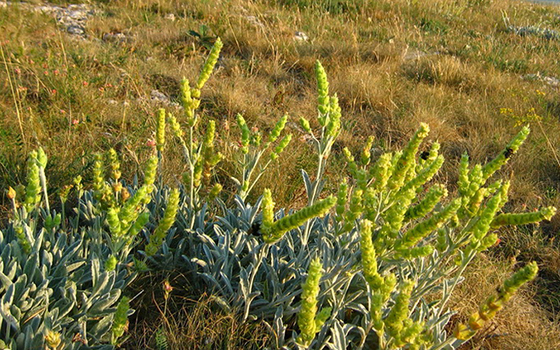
x,y
393,64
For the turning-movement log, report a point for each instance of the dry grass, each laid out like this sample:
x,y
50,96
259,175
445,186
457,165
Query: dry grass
x,y
450,63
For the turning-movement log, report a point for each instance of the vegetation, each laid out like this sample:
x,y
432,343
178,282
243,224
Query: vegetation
x,y
459,66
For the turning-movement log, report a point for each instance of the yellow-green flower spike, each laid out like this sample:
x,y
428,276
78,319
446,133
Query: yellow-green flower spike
x,y
165,223
341,198
111,263
493,304
129,211
150,171
41,158
482,226
280,125
492,166
114,222
297,219
245,133
414,253
380,172
268,212
369,257
333,124
175,126
189,104
281,146
114,164
422,229
208,67
407,157
22,239
366,151
214,192
160,129
432,197
308,322
425,175
394,216
523,218
120,319
52,339
464,181
352,166
354,211
139,224
394,322
305,124
33,189
323,92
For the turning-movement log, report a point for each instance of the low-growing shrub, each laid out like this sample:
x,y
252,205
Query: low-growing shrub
x,y
372,266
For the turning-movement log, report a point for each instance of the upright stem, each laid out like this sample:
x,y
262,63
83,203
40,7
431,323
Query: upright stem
x,y
191,169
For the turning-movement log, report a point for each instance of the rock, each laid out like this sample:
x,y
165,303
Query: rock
x,y
551,81
157,96
118,38
300,36
75,29
254,21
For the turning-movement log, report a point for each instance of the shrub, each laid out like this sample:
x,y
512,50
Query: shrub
x,y
377,272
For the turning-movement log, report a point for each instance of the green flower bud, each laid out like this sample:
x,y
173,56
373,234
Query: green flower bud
x,y
482,226
414,253
352,166
150,172
129,211
523,218
425,175
160,130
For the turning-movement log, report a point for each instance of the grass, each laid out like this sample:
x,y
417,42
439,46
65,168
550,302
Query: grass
x,y
452,64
